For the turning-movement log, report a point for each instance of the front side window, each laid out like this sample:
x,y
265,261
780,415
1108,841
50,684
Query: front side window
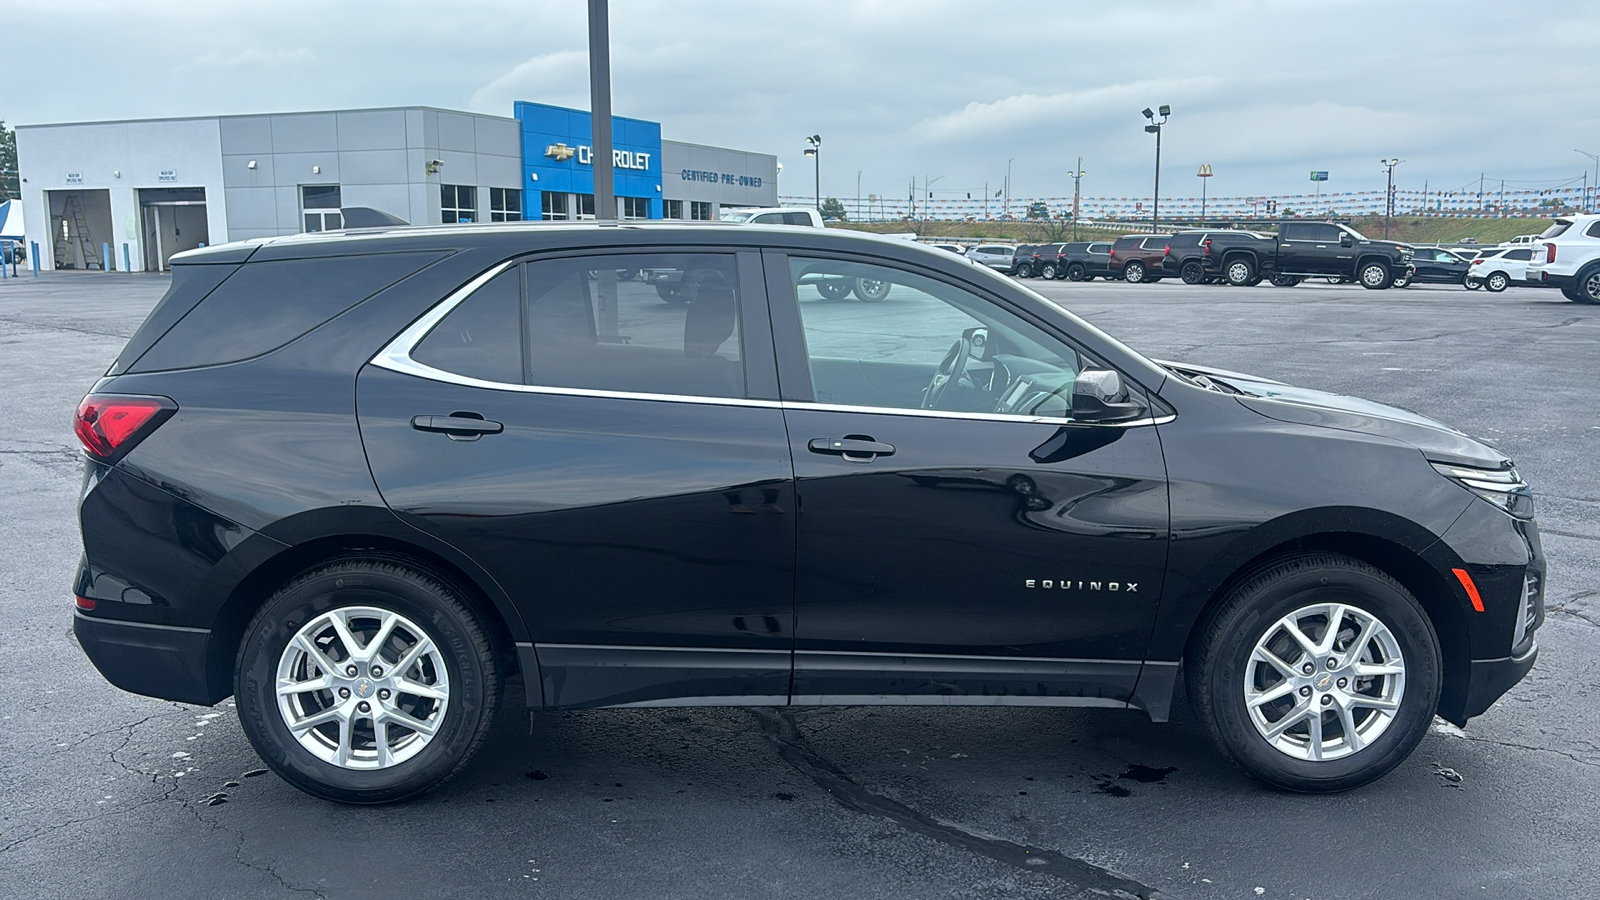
x,y
319,205
458,203
590,323
505,205
914,342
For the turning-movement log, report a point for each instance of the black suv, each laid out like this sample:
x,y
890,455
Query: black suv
x,y
1022,261
1085,260
354,480
1046,261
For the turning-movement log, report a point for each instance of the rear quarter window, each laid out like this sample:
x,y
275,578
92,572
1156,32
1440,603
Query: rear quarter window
x,y
264,305
191,283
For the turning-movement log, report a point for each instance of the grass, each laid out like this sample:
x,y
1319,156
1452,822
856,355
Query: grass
x,y
1428,230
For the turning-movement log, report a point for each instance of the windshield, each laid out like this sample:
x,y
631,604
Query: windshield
x,y
737,216
1556,228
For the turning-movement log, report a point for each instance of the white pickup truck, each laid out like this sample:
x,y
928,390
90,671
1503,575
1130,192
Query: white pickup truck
x,y
774,216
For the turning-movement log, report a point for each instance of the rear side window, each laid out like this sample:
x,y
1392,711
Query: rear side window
x,y
1186,240
1127,243
265,305
588,323
1099,248
1523,255
1155,243
1594,229
796,218
768,219
1556,229
190,285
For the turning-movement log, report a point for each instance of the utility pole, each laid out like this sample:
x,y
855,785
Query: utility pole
x,y
1007,212
1205,176
1588,203
858,194
1077,179
1480,193
1501,211
815,152
605,196
1388,207
1155,128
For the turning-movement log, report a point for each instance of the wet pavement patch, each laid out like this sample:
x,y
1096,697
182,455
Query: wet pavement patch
x,y
1146,774
537,775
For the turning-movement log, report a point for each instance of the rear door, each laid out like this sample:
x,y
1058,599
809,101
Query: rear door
x,y
618,463
960,539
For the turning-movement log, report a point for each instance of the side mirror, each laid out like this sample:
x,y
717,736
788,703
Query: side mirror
x,y
1345,240
1098,395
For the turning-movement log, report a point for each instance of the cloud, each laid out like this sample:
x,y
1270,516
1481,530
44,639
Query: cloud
x,y
251,57
560,78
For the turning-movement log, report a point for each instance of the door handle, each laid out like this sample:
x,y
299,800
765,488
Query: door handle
x,y
457,426
855,449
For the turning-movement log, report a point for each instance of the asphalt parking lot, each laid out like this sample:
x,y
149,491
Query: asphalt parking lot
x,y
105,794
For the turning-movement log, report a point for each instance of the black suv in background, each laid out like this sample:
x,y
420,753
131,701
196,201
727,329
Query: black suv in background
x,y
1022,261
1046,261
1085,261
1138,258
354,480
1188,251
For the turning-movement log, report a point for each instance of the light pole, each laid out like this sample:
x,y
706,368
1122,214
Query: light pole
x,y
1204,175
1007,212
1587,205
1077,179
605,196
927,184
815,152
1155,128
1388,195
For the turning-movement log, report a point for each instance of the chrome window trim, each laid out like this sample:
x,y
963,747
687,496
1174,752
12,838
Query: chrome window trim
x,y
396,357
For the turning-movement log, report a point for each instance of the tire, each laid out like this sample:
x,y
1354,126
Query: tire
x,y
362,593
1374,276
1133,272
1228,660
834,288
1254,280
870,290
1023,270
1402,281
1586,287
1048,273
1193,273
1495,282
1239,271
1281,280
671,294
1076,272
1471,283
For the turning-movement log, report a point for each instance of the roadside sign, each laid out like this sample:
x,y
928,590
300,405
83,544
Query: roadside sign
x,y
1319,176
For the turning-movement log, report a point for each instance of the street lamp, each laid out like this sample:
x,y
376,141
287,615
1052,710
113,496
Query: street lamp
x,y
1155,128
1388,205
1077,178
815,152
927,188
1204,175
1588,206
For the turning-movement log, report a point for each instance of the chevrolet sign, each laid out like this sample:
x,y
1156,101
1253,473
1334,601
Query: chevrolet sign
x,y
560,152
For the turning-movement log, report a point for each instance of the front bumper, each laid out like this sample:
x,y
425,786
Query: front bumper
x,y
1491,678
163,661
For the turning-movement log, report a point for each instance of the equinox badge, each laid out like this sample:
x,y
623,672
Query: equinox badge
x,y
1050,584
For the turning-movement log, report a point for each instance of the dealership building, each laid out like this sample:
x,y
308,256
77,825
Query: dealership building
x,y
127,195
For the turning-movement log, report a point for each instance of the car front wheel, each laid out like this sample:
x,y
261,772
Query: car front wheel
x,y
1318,673
366,681
1587,286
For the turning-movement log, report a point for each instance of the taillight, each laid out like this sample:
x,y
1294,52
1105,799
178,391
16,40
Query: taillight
x,y
1208,247
1166,251
1549,253
109,425
1112,254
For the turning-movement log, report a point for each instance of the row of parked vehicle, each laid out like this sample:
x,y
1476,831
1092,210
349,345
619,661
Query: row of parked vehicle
x,y
1299,250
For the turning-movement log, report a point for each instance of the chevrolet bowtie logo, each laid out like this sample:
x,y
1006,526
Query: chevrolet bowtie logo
x,y
560,152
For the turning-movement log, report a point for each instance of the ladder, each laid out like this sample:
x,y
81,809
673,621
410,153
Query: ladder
x,y
72,228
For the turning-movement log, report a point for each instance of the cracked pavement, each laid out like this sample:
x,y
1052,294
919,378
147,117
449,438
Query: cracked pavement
x,y
105,794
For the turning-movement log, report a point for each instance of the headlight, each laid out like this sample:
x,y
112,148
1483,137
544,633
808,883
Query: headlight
x,y
1502,487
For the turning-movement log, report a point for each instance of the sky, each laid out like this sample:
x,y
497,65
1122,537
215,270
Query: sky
x,y
953,92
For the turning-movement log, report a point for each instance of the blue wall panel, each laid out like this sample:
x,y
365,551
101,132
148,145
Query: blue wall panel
x,y
545,127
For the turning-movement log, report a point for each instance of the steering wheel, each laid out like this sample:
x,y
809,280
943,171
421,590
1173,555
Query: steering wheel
x,y
951,369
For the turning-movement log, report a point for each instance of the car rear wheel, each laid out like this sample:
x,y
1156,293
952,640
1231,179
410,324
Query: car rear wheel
x,y
1471,283
1048,273
1076,272
1238,272
1281,280
1133,273
1024,270
871,290
1193,273
366,681
1496,282
1402,281
1318,673
1375,276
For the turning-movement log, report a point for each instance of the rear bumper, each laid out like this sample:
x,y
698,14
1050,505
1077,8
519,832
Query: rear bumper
x,y
163,661
1548,279
1491,678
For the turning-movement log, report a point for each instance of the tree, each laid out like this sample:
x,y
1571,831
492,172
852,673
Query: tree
x,y
1038,210
10,187
833,209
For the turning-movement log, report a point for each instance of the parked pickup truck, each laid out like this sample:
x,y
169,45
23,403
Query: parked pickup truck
x,y
1305,249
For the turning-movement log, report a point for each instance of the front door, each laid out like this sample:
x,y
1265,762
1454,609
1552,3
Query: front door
x,y
961,539
608,457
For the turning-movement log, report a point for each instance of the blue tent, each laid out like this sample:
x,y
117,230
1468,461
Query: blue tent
x,y
11,220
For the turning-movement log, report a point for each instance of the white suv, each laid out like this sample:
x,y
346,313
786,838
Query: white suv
x,y
1567,256
790,215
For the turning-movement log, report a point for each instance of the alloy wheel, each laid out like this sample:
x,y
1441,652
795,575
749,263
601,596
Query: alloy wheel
x,y
1324,682
362,688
